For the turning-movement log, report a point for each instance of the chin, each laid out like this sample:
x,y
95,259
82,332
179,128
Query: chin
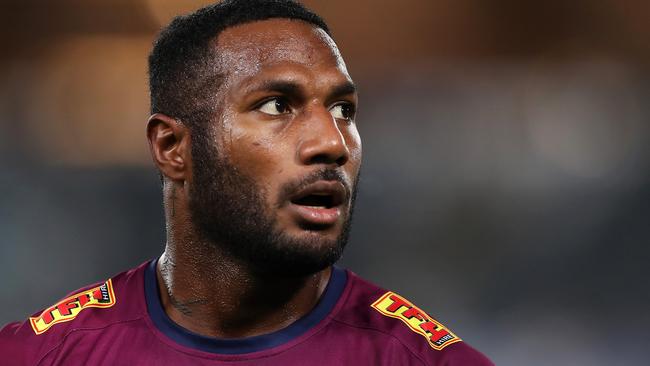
x,y
299,255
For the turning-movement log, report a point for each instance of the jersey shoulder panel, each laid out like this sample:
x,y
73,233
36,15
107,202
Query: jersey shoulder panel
x,y
118,299
372,307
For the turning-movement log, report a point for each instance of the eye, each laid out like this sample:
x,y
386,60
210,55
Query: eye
x,y
274,107
343,111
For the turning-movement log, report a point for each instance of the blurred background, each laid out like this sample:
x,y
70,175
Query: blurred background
x,y
506,181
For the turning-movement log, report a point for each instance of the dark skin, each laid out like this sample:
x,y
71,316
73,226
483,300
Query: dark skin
x,y
285,109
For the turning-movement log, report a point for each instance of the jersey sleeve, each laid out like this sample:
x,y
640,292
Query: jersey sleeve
x,y
458,354
15,345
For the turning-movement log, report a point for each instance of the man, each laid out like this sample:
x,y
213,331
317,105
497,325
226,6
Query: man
x,y
253,131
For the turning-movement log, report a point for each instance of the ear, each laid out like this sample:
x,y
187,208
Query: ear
x,y
169,142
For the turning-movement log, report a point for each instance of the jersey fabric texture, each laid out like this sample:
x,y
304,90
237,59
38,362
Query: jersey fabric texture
x,y
122,322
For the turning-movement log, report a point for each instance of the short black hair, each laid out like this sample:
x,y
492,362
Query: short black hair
x,y
182,74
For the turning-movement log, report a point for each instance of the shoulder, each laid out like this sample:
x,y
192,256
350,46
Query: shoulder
x,y
92,307
375,309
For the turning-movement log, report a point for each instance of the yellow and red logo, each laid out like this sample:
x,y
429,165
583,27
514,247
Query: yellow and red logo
x,y
67,309
395,306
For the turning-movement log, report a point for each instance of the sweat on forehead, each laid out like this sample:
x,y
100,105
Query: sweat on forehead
x,y
245,48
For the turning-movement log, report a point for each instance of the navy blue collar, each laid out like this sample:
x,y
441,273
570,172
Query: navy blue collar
x,y
187,338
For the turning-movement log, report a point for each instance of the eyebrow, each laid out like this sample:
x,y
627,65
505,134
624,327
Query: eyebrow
x,y
284,87
340,90
294,89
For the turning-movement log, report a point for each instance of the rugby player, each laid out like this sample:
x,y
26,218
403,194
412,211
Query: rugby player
x,y
253,132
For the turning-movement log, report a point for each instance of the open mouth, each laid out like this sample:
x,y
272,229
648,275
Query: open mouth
x,y
319,204
323,194
316,201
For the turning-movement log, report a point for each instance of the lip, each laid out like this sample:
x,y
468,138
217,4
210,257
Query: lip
x,y
318,215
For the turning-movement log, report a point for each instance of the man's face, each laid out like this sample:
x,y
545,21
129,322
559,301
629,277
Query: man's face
x,y
274,176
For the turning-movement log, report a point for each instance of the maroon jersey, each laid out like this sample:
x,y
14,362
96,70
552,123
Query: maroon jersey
x,y
121,322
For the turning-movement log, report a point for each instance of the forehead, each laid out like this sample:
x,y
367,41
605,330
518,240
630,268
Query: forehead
x,y
247,49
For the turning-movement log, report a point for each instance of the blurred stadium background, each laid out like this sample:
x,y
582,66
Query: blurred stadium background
x,y
506,182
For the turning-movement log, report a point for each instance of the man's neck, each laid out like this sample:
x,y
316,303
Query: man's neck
x,y
210,294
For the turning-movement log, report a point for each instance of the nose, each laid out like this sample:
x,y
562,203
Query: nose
x,y
323,142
